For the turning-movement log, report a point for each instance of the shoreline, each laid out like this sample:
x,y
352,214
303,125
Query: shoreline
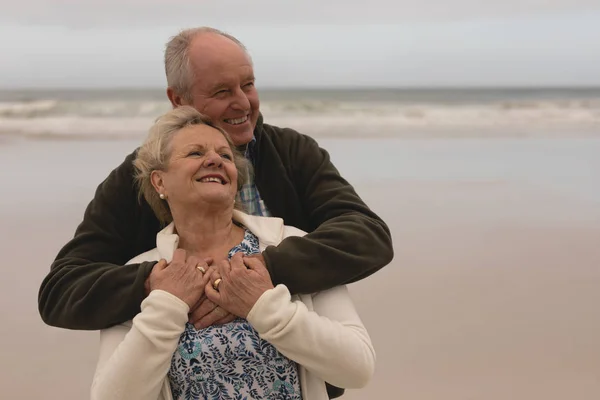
x,y
360,132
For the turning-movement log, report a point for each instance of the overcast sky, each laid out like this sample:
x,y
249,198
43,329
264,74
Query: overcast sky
x,y
108,43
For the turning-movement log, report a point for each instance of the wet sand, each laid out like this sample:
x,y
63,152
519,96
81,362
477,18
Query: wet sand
x,y
493,292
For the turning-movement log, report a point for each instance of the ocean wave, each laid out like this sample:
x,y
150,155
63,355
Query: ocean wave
x,y
101,108
76,128
131,119
151,108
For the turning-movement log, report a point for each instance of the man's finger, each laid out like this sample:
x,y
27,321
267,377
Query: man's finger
x,y
215,315
203,309
258,256
237,261
195,307
160,265
254,263
226,320
156,268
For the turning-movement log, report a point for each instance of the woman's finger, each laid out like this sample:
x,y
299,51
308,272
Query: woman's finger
x,y
207,276
179,257
210,292
224,268
192,262
203,266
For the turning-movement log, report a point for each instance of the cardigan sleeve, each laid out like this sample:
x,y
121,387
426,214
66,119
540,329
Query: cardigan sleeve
x,y
135,357
330,341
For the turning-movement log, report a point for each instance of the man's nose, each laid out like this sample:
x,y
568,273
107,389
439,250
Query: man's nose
x,y
240,100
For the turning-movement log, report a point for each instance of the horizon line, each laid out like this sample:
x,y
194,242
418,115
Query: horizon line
x,y
326,87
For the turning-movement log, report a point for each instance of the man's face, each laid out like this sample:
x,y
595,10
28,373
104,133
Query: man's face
x,y
223,86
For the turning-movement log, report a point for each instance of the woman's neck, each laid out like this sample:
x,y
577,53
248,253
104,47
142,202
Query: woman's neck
x,y
208,233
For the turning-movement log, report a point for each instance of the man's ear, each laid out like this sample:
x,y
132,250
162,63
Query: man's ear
x,y
175,99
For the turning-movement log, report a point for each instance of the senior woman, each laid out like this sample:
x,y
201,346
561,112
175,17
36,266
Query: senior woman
x,y
279,346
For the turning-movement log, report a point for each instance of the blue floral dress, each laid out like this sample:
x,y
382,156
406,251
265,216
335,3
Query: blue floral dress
x,y
231,361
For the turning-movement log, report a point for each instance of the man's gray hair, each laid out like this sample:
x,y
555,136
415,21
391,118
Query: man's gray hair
x,y
155,153
178,69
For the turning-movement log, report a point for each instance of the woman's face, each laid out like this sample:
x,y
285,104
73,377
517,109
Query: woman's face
x,y
200,170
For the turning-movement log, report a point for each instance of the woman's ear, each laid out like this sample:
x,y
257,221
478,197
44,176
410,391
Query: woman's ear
x,y
156,177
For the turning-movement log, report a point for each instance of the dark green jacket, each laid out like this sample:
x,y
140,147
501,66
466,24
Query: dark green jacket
x,y
89,287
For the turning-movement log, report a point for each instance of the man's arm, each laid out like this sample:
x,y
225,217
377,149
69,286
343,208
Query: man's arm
x,y
347,241
87,286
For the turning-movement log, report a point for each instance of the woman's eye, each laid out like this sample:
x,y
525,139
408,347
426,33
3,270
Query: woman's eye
x,y
195,153
227,157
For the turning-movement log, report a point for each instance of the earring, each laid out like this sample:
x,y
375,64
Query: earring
x,y
162,196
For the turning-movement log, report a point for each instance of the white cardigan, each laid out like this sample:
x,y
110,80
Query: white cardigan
x,y
322,332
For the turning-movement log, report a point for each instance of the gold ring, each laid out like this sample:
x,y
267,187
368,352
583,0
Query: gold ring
x,y
201,269
216,284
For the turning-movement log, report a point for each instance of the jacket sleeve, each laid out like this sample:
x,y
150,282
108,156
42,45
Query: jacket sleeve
x,y
88,286
134,363
346,241
330,341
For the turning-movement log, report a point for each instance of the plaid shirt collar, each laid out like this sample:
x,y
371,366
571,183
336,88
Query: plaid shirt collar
x,y
249,150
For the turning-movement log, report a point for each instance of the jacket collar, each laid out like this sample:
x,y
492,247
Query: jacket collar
x,y
269,231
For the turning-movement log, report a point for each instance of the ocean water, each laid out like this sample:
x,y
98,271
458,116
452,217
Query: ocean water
x,y
498,172
562,167
127,113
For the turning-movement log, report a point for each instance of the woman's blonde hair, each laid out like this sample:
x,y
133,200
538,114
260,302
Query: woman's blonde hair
x,y
155,152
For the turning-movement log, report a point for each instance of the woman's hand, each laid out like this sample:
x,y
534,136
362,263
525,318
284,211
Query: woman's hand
x,y
243,281
183,277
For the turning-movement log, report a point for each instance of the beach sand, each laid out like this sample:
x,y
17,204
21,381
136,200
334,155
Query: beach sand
x,y
492,294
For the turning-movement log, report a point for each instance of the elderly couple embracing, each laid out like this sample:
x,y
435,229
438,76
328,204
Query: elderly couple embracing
x,y
214,259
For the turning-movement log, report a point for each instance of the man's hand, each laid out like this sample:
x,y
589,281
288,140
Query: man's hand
x,y
259,257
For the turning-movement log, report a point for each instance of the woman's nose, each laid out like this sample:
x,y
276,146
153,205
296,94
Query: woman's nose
x,y
213,160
